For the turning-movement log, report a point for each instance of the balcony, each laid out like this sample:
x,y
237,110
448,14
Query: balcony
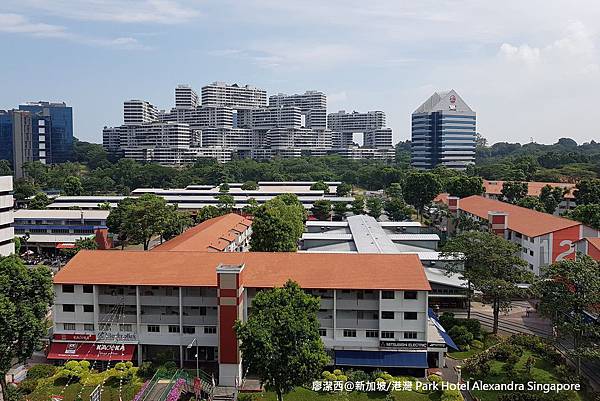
x,y
160,319
357,304
357,323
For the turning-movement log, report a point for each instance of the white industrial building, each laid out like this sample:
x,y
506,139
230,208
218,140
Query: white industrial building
x,y
7,245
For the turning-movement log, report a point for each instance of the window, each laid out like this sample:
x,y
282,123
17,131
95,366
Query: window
x,y
69,326
349,333
173,329
323,332
88,327
388,295
372,334
88,308
125,327
153,328
410,335
189,330
387,334
68,308
410,315
387,314
68,288
105,326
210,329
88,289
411,295
531,252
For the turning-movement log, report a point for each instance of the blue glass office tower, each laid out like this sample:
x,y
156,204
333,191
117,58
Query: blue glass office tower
x,y
54,122
443,133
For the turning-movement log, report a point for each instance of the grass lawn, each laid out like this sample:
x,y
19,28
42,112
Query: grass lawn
x,y
302,394
488,341
542,372
110,393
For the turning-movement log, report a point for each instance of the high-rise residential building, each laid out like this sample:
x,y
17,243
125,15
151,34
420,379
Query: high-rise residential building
x,y
312,104
443,132
355,122
378,138
234,96
185,97
52,127
277,117
136,112
111,139
6,216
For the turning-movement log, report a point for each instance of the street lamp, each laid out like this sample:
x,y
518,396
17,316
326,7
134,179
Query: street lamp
x,y
190,345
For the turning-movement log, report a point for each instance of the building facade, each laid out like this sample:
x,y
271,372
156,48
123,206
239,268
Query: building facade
x,y
185,97
443,133
7,234
312,104
234,96
138,112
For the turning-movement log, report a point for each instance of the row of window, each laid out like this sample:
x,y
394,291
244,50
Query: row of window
x,y
150,328
71,308
392,315
351,333
70,289
392,294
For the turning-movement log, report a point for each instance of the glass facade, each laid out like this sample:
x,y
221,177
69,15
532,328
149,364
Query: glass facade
x,y
58,129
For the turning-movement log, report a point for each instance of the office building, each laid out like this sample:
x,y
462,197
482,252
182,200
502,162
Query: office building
x,y
443,133
185,97
312,104
53,122
543,238
234,96
376,317
7,235
137,112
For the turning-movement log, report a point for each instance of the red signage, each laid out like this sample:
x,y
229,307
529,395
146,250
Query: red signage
x,y
563,243
91,351
452,99
74,337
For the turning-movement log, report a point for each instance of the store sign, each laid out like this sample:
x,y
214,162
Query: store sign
x,y
402,345
436,345
452,99
74,337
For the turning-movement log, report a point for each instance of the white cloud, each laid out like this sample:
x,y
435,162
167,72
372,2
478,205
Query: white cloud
x,y
19,24
529,55
121,11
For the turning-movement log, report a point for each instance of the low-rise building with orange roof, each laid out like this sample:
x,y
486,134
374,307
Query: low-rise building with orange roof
x,y
493,190
544,238
590,246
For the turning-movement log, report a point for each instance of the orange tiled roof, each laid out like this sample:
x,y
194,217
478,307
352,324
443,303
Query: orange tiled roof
x,y
533,187
522,220
442,198
206,234
262,269
594,241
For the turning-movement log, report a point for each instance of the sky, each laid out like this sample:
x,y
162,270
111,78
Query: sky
x,y
530,69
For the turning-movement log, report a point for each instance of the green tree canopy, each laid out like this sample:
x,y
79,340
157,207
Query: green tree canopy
x,y
321,209
280,341
224,187
343,189
551,197
491,265
320,186
225,202
278,224
24,189
587,214
358,204
420,188
72,186
396,209
587,191
514,191
374,206
463,186
532,202
25,296
339,210
249,186
394,190
5,167
40,201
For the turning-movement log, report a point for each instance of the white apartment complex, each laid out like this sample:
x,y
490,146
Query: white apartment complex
x,y
185,97
312,104
234,96
355,121
7,246
136,112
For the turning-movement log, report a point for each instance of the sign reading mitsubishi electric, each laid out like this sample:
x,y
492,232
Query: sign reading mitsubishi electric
x,y
403,344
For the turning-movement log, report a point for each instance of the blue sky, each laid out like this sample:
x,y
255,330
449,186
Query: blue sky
x,y
531,69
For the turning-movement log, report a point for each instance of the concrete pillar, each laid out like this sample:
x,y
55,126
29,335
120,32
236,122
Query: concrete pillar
x,y
334,315
96,308
230,297
180,328
138,323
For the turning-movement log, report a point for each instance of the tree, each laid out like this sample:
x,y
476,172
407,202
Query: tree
x,y
224,187
396,209
321,209
339,210
5,167
343,189
532,202
463,186
225,202
567,290
358,204
374,206
551,197
394,190
72,186
320,186
514,191
207,213
587,214
587,191
491,265
278,224
251,207
280,341
40,201
24,189
82,243
420,189
177,222
139,219
25,296
249,186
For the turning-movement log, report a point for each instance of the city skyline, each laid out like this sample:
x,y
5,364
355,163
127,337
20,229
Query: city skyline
x,y
378,57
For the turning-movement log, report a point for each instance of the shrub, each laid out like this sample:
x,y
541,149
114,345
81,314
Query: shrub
x,y
41,371
434,378
451,395
461,336
28,386
473,326
358,375
146,370
169,367
504,350
477,344
447,320
337,372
